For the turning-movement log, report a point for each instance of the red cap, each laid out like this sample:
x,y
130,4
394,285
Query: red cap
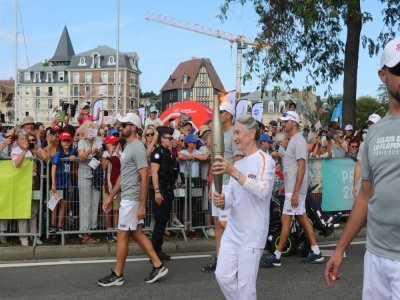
x,y
110,139
65,136
56,127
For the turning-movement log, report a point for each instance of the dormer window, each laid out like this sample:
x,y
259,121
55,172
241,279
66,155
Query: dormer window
x,y
82,61
185,78
49,77
111,60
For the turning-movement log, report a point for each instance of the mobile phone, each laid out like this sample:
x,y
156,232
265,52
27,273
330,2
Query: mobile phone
x,y
323,140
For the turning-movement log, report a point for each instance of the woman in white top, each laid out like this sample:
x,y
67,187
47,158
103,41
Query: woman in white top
x,y
248,194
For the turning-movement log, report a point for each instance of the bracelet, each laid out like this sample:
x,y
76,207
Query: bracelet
x,y
158,192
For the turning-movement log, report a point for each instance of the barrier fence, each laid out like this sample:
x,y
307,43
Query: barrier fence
x,y
80,212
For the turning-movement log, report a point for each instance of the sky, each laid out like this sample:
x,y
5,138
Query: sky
x,y
160,47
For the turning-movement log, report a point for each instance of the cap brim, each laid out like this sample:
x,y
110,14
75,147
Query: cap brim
x,y
284,119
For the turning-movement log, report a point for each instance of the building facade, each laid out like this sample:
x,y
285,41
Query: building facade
x,y
195,79
75,78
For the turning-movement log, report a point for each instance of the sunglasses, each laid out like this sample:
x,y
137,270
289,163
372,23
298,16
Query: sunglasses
x,y
354,147
32,140
150,134
340,137
123,125
395,70
168,137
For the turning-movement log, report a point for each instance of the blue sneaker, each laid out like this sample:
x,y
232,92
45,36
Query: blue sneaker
x,y
110,237
270,261
313,258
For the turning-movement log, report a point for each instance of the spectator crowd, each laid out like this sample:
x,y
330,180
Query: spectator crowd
x,y
84,165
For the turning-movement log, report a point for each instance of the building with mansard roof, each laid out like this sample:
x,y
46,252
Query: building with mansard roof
x,y
195,79
75,78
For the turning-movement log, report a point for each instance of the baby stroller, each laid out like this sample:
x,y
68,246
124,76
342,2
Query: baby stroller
x,y
322,221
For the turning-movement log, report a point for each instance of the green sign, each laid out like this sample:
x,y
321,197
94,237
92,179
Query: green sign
x,y
337,182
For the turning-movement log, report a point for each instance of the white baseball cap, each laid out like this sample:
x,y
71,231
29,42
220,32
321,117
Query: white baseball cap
x,y
84,104
131,118
290,116
349,127
391,54
227,107
374,118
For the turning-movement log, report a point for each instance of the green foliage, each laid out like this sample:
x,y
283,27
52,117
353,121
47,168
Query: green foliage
x,y
366,106
306,35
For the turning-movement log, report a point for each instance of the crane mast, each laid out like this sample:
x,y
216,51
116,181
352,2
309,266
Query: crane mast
x,y
239,40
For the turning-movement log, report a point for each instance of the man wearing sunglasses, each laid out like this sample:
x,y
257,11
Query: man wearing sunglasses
x,y
377,204
134,186
337,150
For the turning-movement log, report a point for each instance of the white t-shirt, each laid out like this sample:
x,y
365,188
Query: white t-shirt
x,y
154,122
183,164
248,223
16,151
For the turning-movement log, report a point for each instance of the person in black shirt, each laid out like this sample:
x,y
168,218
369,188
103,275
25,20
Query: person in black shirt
x,y
164,170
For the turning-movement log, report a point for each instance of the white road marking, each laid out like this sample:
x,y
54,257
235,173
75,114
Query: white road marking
x,y
81,262
334,245
328,253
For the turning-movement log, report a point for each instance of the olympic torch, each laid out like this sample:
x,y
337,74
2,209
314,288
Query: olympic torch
x,y
217,138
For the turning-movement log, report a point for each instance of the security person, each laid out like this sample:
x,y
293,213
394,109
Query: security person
x,y
164,170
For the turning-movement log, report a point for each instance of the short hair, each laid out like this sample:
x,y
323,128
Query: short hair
x,y
250,123
336,133
293,104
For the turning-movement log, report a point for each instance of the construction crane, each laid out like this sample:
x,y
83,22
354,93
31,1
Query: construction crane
x,y
239,40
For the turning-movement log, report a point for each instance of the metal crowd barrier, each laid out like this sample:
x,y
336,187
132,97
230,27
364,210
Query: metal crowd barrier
x,y
10,227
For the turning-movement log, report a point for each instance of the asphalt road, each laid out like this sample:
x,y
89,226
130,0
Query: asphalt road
x,y
184,281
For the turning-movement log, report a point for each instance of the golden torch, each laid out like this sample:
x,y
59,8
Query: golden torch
x,y
217,138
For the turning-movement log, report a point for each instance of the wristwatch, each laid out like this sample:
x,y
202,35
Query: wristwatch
x,y
237,176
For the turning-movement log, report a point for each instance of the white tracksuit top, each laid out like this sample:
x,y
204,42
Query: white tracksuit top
x,y
248,223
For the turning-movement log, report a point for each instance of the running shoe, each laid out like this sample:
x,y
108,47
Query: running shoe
x,y
270,261
313,258
110,237
211,267
156,274
111,280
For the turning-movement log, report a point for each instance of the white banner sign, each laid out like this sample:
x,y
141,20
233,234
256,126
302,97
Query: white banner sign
x,y
257,111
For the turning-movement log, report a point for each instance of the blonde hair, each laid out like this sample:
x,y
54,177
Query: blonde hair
x,y
83,130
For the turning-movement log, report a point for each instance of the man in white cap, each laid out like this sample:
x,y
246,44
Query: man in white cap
x,y
220,216
377,204
348,131
296,173
153,119
133,183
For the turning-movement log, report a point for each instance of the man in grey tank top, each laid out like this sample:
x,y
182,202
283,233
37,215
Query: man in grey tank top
x,y
133,183
378,203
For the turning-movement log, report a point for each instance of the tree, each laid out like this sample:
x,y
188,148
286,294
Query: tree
x,y
366,106
305,35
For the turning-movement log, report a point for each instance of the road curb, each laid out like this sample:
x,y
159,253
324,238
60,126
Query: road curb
x,y
106,250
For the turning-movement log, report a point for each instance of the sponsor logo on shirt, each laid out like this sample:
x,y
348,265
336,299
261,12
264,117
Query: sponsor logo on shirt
x,y
252,176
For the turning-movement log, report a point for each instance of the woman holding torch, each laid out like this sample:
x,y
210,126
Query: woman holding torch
x,y
248,194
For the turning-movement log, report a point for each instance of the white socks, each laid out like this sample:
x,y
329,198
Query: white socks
x,y
315,249
278,254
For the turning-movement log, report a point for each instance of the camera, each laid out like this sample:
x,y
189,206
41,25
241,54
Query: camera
x,y
31,146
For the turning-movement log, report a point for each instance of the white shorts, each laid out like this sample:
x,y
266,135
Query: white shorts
x,y
291,211
381,278
127,219
222,214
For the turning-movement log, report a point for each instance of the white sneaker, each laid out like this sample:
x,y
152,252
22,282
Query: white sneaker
x,y
177,223
39,242
210,232
24,242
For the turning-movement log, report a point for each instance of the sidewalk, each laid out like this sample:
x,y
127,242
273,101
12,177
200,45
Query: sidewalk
x,y
107,250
